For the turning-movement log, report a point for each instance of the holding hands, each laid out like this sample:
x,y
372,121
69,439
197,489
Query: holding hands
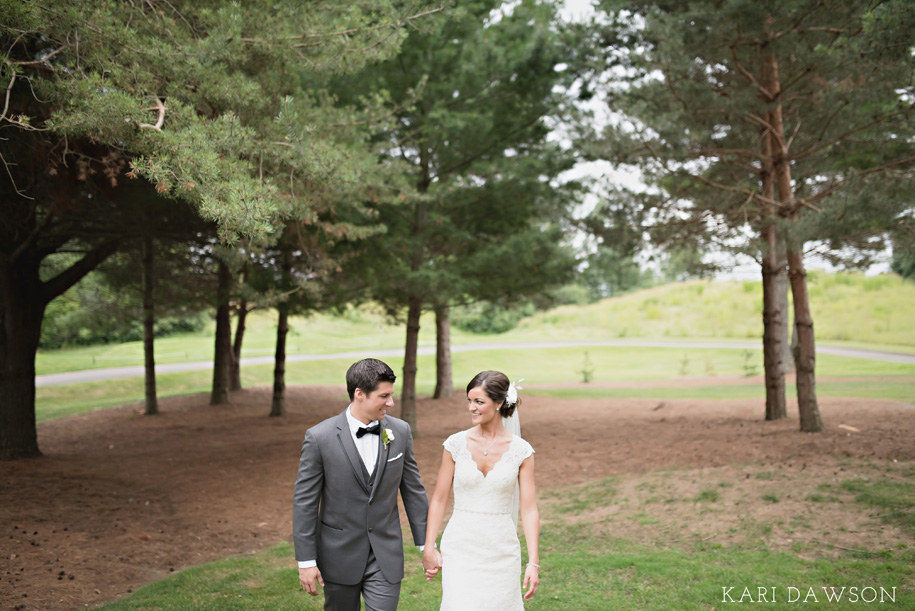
x,y
432,562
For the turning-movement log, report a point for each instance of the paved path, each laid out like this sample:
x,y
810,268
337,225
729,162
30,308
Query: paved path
x,y
117,373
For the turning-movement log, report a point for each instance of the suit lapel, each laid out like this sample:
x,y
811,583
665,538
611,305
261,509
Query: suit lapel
x,y
349,448
382,461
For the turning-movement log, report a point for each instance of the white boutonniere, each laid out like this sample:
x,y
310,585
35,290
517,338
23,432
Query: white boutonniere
x,y
387,436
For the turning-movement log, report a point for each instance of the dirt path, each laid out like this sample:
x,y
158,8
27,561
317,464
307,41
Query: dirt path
x,y
120,500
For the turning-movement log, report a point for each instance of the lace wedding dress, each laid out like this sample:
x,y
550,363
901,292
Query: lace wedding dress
x,y
481,554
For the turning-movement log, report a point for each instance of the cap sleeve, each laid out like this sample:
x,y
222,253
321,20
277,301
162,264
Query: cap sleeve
x,y
526,449
453,445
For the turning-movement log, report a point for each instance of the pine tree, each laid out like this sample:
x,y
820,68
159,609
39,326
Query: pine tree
x,y
787,120
471,98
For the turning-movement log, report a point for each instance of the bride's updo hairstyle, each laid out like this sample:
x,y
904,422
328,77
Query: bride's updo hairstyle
x,y
495,385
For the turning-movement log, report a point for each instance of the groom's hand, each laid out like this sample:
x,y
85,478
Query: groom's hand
x,y
307,578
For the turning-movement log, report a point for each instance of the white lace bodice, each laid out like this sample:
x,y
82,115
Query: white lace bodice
x,y
493,492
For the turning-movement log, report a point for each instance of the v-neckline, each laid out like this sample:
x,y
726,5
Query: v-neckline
x,y
494,465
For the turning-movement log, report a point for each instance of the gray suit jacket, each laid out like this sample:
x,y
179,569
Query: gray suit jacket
x,y
337,515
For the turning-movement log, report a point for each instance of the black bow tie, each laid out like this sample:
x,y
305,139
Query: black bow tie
x,y
372,430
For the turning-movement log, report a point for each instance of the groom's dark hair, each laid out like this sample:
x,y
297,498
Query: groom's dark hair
x,y
366,374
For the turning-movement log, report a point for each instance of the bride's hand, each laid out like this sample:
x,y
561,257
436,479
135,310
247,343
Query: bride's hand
x,y
532,579
432,563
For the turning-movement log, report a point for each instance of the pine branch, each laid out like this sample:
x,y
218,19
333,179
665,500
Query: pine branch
x,y
831,188
766,94
468,160
748,192
6,103
6,166
713,152
770,129
346,33
836,140
39,61
161,108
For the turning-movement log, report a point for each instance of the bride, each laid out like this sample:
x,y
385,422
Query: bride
x,y
488,467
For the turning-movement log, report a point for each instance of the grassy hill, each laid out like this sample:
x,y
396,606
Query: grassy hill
x,y
847,307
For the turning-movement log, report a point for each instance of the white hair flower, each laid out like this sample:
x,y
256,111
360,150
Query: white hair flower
x,y
511,397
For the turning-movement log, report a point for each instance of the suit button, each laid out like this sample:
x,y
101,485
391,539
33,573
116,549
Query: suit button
x,y
370,530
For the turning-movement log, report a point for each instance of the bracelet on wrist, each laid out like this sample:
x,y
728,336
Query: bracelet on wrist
x,y
533,564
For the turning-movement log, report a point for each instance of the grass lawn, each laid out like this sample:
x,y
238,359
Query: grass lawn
x,y
584,573
548,366
849,310
895,391
585,568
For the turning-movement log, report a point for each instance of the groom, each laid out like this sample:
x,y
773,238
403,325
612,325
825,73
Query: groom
x,y
345,521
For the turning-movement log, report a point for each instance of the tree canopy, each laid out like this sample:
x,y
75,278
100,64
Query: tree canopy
x,y
217,105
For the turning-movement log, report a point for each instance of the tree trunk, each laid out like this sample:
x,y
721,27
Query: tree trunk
x,y
408,394
223,345
805,353
149,319
21,312
804,356
235,372
23,299
773,328
278,405
444,386
773,321
414,302
782,288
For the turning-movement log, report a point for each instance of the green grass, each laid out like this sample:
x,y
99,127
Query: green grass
x,y
894,391
582,571
847,307
894,499
707,496
849,310
58,401
556,366
356,329
691,310
585,568
595,494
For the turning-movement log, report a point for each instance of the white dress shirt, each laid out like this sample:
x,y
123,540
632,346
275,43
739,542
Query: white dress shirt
x,y
367,445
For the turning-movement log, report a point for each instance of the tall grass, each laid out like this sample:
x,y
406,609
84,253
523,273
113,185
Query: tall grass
x,y
847,307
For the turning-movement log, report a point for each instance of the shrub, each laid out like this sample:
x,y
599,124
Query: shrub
x,y
488,317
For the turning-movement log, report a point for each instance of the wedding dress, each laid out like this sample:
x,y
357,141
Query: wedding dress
x,y
481,554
